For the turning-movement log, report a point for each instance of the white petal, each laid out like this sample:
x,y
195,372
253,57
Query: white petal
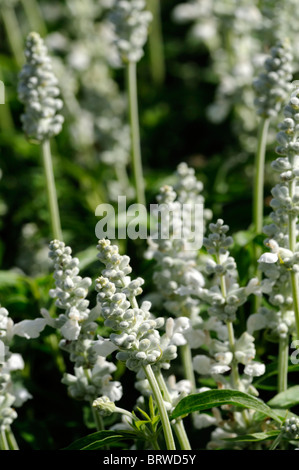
x,y
103,347
203,420
15,362
256,322
268,258
46,315
29,328
70,330
202,364
255,369
219,369
178,339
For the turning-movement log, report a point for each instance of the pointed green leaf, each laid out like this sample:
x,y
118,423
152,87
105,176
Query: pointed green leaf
x,y
255,437
100,439
215,398
286,399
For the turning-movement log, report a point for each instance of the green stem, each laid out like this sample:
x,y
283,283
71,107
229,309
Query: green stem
x,y
3,440
156,43
14,34
283,362
187,365
178,425
51,190
231,339
34,17
292,222
98,420
170,444
11,440
258,195
135,136
122,177
259,167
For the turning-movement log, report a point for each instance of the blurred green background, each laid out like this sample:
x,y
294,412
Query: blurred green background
x,y
174,127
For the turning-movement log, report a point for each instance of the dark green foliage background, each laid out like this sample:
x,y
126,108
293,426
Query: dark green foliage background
x,y
174,128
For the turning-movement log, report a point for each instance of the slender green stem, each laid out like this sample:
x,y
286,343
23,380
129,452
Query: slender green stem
x,y
13,445
34,17
13,33
3,440
231,339
292,222
258,187
51,190
283,362
234,366
187,365
231,334
258,194
178,425
156,43
122,176
170,444
135,132
98,420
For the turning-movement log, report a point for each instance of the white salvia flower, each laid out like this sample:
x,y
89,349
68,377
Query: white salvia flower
x,y
130,21
203,420
202,364
70,291
38,91
255,369
244,348
268,258
134,329
277,265
11,394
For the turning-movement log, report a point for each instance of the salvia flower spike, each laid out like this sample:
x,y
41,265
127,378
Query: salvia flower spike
x,y
38,91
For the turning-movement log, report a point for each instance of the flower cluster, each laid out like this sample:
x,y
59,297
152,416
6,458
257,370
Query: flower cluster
x,y
130,21
173,246
95,105
12,393
70,291
283,260
225,297
290,428
273,85
134,329
39,92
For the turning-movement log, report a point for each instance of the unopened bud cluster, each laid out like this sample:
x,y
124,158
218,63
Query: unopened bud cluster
x,y
290,428
38,91
130,21
273,85
224,307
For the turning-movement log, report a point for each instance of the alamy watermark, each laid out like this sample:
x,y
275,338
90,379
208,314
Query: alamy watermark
x,y
295,354
2,93
2,352
161,221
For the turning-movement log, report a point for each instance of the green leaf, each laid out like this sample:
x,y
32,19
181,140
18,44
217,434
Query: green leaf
x,y
215,398
286,399
100,439
255,437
